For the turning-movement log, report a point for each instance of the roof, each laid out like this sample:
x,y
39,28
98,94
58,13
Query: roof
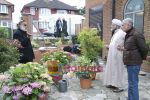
x,y
52,4
5,2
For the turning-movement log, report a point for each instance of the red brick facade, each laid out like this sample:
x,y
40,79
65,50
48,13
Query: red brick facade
x,y
119,13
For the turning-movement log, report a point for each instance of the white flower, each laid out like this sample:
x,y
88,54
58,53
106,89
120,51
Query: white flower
x,y
46,88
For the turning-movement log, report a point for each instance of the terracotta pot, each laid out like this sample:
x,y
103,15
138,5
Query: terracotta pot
x,y
52,67
85,83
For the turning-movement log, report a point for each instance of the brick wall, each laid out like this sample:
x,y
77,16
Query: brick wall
x,y
147,19
119,13
89,4
28,19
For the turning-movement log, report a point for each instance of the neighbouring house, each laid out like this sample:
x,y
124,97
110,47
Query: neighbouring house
x,y
138,10
6,10
45,13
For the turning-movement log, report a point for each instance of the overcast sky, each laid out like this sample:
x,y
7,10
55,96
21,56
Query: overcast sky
x,y
20,3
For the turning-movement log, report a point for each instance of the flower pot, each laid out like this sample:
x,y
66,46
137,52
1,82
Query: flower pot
x,y
85,83
52,67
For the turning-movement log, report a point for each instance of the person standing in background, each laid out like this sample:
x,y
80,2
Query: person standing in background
x,y
23,43
64,27
114,71
58,27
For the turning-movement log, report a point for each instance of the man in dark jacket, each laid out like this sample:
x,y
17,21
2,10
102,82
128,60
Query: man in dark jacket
x,y
135,51
64,27
58,27
23,43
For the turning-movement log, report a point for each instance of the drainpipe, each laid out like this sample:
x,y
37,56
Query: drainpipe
x,y
113,8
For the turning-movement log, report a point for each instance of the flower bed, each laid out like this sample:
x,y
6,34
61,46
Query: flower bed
x,y
26,82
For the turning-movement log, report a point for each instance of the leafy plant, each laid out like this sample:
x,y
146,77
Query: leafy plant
x,y
5,32
81,63
62,57
59,43
90,43
9,55
26,81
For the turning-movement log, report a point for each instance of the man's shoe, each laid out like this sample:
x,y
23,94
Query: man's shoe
x,y
111,87
118,90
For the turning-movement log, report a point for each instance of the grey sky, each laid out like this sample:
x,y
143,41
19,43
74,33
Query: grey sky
x,y
19,4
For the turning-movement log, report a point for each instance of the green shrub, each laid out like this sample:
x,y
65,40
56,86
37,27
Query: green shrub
x,y
9,55
90,43
5,32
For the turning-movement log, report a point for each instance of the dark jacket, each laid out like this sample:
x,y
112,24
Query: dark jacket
x,y
27,54
135,48
64,28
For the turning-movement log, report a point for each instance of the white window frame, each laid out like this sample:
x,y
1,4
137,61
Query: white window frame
x,y
133,13
2,23
43,25
44,12
32,10
4,9
61,11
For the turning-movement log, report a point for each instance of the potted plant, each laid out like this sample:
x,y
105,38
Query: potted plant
x,y
80,64
55,62
90,43
27,82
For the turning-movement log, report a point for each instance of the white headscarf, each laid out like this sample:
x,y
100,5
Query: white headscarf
x,y
117,22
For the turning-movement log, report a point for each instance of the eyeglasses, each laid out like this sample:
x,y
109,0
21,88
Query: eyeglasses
x,y
25,24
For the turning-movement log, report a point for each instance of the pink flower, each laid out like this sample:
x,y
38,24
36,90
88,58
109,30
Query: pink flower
x,y
27,90
35,85
6,89
15,97
18,88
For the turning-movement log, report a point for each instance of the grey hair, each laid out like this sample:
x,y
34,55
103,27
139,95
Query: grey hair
x,y
128,20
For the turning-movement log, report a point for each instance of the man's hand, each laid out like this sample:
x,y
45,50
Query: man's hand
x,y
120,48
17,43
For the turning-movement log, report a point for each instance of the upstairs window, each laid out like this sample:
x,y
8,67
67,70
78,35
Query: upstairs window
x,y
61,11
134,9
4,9
45,12
32,11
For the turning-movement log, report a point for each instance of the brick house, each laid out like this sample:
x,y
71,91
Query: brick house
x,y
6,10
138,10
41,11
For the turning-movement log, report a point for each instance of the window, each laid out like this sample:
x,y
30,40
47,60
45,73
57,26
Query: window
x,y
135,9
4,24
3,9
43,25
61,11
45,12
32,11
